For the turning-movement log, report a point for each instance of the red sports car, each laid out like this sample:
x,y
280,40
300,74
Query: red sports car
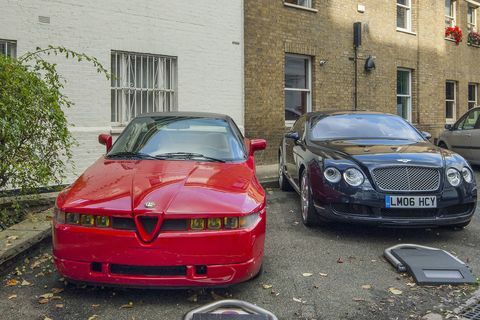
x,y
174,203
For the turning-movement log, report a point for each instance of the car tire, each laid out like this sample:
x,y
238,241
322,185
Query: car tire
x,y
282,180
443,145
309,214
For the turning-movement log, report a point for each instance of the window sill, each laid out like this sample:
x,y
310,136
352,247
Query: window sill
x,y
451,40
286,4
116,130
406,31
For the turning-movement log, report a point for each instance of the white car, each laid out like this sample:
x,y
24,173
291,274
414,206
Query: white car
x,y
464,136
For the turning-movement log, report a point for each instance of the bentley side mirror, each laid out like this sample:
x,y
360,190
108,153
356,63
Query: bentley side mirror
x,y
292,135
106,140
257,145
427,135
449,127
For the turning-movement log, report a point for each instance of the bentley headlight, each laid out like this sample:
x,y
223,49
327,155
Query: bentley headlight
x,y
353,177
332,175
467,175
453,177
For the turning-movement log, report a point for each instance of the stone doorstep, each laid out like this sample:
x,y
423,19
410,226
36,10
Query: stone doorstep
x,y
24,235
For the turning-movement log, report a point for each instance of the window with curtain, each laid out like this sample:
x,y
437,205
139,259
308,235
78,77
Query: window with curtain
x,y
450,8
8,48
450,101
472,95
472,17
297,86
404,94
141,83
404,14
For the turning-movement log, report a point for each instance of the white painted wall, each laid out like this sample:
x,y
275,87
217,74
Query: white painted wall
x,y
206,37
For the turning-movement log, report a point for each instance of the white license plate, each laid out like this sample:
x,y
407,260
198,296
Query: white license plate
x,y
410,202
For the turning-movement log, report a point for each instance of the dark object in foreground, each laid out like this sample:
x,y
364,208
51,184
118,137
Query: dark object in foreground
x,y
231,310
429,266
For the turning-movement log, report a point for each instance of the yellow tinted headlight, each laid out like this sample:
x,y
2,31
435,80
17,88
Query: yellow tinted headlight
x,y
102,221
231,223
72,218
197,224
248,221
87,220
214,223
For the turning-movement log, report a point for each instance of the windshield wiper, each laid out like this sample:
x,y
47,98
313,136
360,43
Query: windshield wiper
x,y
130,154
187,155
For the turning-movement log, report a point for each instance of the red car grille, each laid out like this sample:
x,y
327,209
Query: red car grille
x,y
167,225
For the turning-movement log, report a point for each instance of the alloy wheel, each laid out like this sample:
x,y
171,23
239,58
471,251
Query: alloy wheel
x,y
280,171
304,195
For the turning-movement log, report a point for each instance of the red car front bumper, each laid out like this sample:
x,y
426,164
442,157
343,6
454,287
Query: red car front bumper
x,y
173,259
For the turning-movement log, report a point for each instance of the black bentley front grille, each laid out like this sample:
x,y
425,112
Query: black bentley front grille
x,y
404,178
408,213
148,270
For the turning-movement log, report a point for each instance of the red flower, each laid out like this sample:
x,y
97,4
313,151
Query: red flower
x,y
455,33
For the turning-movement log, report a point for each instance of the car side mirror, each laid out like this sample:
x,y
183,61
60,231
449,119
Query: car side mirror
x,y
427,135
292,135
257,145
449,127
106,140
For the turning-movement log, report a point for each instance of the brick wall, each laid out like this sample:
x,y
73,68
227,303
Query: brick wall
x,y
206,36
273,29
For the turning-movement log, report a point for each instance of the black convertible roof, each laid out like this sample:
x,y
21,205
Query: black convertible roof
x,y
185,114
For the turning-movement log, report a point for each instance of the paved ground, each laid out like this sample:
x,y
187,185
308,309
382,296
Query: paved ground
x,y
350,279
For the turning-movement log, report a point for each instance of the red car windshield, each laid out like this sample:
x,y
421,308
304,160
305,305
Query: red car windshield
x,y
180,138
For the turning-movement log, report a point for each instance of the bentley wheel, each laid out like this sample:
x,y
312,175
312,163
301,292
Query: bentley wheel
x,y
282,181
309,214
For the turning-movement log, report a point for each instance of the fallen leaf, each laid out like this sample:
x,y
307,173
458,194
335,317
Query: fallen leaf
x,y
93,317
307,274
127,306
47,318
43,301
411,284
324,274
359,300
13,296
95,305
297,300
57,290
340,260
46,295
12,282
367,287
12,238
395,291
267,286
59,306
25,283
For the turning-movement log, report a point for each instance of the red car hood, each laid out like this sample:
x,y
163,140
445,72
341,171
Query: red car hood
x,y
173,187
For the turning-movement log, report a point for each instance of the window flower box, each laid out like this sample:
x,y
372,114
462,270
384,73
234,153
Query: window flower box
x,y
454,33
474,39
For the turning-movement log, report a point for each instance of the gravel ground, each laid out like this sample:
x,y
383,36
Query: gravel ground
x,y
332,272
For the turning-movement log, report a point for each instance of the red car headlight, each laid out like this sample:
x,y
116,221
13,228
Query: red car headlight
x,y
250,220
58,215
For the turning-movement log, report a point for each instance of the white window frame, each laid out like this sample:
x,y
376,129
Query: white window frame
x,y
454,111
475,102
307,3
453,18
408,7
409,95
8,43
472,26
308,90
163,93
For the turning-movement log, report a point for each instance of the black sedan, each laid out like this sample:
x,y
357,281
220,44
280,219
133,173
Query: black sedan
x,y
374,168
